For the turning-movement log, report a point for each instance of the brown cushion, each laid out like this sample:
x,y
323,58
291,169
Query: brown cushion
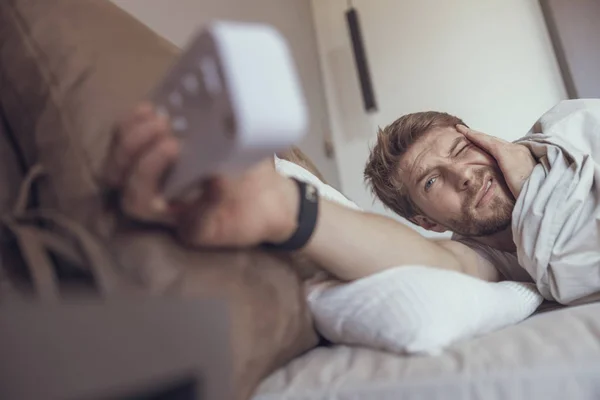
x,y
68,69
295,155
11,172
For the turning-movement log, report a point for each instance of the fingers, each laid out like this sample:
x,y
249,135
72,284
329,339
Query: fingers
x,y
462,129
491,144
142,192
515,161
141,112
132,137
199,226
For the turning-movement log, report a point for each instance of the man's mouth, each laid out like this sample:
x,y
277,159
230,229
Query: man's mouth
x,y
486,192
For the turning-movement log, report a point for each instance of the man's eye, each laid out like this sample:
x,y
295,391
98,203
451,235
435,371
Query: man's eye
x,y
429,183
462,149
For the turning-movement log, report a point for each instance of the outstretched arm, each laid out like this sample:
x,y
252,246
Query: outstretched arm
x,y
352,244
262,206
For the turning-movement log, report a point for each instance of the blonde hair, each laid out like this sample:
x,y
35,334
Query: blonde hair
x,y
381,172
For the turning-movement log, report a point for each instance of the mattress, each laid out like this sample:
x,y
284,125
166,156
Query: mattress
x,y
552,355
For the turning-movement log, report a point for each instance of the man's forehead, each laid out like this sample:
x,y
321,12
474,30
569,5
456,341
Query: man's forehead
x,y
436,142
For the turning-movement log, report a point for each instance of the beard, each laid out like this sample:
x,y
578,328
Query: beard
x,y
502,205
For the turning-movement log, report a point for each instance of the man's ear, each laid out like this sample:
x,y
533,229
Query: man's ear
x,y
428,224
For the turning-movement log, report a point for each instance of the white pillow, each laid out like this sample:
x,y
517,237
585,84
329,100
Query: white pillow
x,y
416,309
287,168
410,309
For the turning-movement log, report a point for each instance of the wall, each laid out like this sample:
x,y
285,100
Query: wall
x,y
177,20
489,62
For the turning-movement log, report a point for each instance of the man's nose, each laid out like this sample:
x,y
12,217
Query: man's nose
x,y
462,176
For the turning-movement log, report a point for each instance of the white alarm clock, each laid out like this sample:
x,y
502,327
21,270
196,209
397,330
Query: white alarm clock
x,y
233,99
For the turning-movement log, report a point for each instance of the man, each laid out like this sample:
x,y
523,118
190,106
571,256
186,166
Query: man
x,y
428,167
432,170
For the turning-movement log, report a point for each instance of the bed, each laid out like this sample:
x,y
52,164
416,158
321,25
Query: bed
x,y
555,354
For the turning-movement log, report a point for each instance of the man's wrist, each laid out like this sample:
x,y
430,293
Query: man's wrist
x,y
286,222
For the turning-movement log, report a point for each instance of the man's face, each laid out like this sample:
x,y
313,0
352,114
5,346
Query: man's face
x,y
456,185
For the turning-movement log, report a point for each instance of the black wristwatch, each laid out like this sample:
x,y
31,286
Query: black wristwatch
x,y
308,211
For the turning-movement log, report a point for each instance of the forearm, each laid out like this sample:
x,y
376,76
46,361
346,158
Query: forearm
x,y
352,244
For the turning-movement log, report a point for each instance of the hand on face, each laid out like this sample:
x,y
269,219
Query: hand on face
x,y
515,160
257,207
